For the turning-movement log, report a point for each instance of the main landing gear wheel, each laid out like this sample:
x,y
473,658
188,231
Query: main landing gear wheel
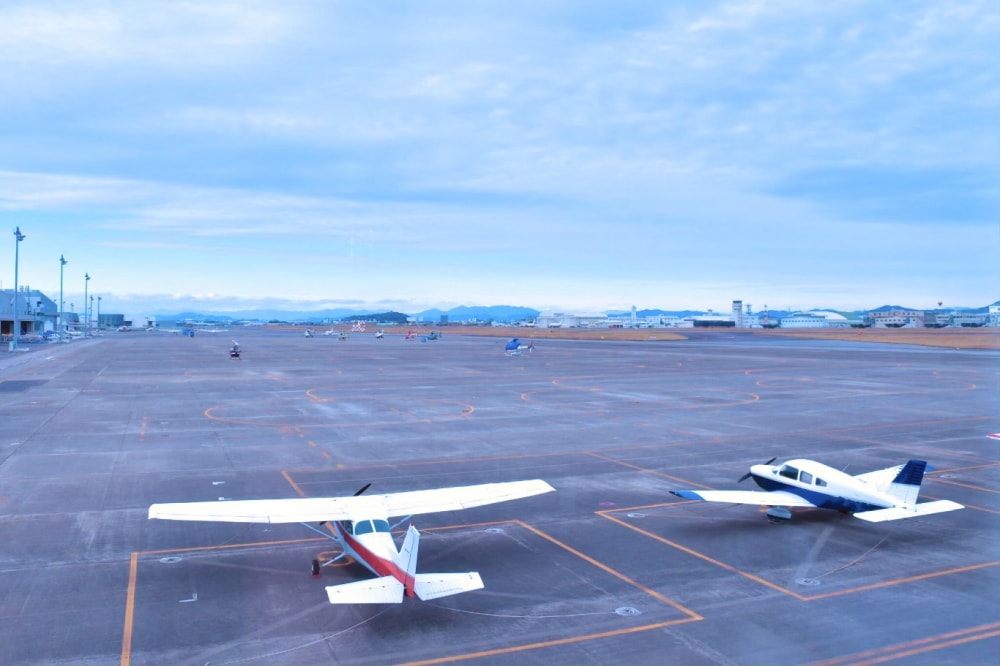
x,y
315,568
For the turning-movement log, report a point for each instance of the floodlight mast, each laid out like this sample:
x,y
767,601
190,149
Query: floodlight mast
x,y
18,237
62,263
86,312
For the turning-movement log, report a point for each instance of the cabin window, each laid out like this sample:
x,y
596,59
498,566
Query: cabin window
x,y
820,482
363,527
789,472
381,525
806,477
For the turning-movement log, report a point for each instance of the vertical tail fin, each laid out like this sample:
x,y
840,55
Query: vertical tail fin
x,y
406,558
906,486
431,585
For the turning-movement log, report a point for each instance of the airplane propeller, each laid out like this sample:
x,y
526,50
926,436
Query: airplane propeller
x,y
358,492
747,475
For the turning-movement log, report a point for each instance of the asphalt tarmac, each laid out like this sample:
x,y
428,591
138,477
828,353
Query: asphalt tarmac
x,y
609,569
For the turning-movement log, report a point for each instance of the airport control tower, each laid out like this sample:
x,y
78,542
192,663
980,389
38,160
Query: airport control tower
x,y
738,314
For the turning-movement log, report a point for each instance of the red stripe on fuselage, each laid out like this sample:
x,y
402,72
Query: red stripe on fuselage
x,y
380,565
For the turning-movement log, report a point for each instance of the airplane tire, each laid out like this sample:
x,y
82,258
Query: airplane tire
x,y
315,567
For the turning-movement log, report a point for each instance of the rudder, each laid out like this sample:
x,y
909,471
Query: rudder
x,y
406,559
906,486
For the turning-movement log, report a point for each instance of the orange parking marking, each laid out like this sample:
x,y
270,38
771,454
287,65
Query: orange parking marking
x,y
775,586
605,568
292,483
918,646
645,469
965,485
690,616
700,555
129,611
908,579
545,644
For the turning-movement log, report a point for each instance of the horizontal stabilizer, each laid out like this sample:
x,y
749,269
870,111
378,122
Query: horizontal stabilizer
x,y
898,513
757,497
385,590
436,585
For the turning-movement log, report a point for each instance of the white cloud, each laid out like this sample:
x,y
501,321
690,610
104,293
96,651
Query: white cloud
x,y
443,150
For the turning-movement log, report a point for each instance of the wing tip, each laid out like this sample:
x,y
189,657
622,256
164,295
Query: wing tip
x,y
687,494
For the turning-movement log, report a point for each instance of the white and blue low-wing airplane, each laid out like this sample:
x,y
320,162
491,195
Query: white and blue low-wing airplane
x,y
360,525
885,494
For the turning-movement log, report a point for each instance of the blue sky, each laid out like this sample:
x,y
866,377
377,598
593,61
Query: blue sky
x,y
569,155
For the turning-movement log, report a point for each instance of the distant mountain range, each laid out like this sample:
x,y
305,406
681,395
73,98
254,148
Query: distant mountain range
x,y
491,313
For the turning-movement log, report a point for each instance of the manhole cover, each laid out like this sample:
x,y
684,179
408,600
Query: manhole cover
x,y
627,611
808,582
635,514
170,560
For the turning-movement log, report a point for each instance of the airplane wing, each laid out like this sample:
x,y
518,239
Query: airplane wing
x,y
758,497
314,510
462,497
880,478
295,510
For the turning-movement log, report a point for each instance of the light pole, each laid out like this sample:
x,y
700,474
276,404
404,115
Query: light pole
x,y
62,262
99,312
86,315
17,318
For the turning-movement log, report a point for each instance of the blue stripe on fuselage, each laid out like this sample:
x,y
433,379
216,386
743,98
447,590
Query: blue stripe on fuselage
x,y
820,499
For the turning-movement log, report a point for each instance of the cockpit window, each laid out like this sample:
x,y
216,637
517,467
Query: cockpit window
x,y
369,526
789,472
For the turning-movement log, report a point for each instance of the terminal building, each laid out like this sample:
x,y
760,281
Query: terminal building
x,y
35,312
38,315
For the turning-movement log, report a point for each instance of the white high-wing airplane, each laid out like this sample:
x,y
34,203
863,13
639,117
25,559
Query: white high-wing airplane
x,y
885,494
360,525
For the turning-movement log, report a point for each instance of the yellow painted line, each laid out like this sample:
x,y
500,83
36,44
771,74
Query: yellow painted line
x,y
314,398
967,506
645,469
465,410
605,568
917,646
129,611
965,485
232,546
937,472
691,616
544,644
779,588
292,483
702,556
940,646
908,579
